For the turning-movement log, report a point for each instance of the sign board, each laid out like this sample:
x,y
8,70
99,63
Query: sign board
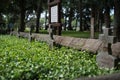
x,y
54,14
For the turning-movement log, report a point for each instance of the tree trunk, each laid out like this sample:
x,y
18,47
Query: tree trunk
x,y
0,21
46,26
38,17
76,24
100,20
70,19
107,16
117,19
81,15
65,24
92,22
22,16
37,23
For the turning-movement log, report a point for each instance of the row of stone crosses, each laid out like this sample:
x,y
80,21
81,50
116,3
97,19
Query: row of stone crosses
x,y
104,57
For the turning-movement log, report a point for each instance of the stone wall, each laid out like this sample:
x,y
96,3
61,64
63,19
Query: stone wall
x,y
116,49
91,45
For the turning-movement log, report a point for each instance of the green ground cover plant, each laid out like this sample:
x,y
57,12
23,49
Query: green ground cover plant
x,y
24,60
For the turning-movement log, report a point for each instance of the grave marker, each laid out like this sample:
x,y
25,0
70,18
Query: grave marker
x,y
51,39
104,59
106,38
18,32
50,30
30,32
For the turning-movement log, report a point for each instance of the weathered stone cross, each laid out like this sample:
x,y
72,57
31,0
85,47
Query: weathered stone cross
x,y
50,30
104,59
51,41
18,32
30,32
107,40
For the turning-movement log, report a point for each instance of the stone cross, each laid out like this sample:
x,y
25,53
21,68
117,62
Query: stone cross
x,y
51,40
50,30
106,39
18,34
104,59
31,28
30,32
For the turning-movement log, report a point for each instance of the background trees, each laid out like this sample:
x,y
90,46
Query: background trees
x,y
117,19
80,15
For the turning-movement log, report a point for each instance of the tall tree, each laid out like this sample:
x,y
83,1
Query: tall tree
x,y
81,14
107,14
65,13
3,5
3,8
38,16
46,17
22,4
41,6
117,19
70,14
70,18
92,21
92,4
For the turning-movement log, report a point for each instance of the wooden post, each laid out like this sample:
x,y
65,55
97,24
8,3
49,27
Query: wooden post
x,y
92,28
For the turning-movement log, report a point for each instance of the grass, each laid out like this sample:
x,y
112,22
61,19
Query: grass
x,y
85,34
77,34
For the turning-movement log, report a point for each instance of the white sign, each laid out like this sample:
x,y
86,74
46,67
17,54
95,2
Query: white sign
x,y
54,14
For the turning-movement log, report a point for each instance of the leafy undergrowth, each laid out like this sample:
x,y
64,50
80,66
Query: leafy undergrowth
x,y
22,60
